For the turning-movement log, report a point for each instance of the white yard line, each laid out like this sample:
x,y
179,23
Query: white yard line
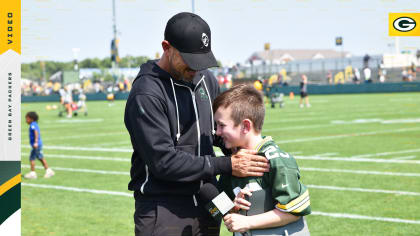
x,y
99,158
317,213
335,188
80,136
360,217
349,135
105,172
386,153
72,148
404,158
362,172
78,189
357,160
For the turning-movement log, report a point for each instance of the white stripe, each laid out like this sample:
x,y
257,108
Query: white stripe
x,y
104,172
146,180
348,135
361,172
335,215
84,148
356,159
84,157
404,158
386,153
80,136
363,190
360,217
78,189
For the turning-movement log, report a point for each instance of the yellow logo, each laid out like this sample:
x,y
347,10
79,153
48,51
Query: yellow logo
x,y
404,24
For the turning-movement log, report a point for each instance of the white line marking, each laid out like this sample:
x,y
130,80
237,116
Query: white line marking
x,y
335,215
356,159
78,189
404,158
83,148
360,217
362,172
349,135
363,190
80,120
326,154
84,157
80,136
105,172
385,153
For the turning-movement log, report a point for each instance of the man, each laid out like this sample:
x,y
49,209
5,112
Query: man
x,y
170,120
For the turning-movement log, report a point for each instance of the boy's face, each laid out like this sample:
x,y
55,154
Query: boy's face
x,y
226,128
28,120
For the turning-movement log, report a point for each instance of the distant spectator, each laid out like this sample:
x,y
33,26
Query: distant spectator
x,y
356,76
304,92
404,74
413,71
329,77
368,73
366,59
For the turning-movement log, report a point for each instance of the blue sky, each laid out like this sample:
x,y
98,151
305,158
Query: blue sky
x,y
51,28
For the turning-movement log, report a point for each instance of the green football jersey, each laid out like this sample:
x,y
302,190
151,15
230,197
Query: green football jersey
x,y
288,192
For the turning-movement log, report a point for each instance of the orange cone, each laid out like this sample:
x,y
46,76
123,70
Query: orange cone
x,y
291,95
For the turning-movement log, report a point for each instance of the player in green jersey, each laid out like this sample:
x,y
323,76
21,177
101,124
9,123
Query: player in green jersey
x,y
239,115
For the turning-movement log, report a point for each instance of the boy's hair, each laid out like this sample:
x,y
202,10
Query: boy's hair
x,y
32,115
246,103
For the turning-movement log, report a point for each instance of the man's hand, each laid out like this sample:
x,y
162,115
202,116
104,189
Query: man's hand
x,y
36,145
236,223
246,163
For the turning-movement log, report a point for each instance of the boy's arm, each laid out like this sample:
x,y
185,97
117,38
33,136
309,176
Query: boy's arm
x,y
36,139
270,219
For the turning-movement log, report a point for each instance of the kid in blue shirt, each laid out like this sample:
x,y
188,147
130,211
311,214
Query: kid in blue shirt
x,y
36,143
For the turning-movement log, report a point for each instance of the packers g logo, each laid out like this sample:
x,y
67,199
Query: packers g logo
x,y
404,24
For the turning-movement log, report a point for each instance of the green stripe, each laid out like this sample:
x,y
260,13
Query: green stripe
x,y
8,170
9,203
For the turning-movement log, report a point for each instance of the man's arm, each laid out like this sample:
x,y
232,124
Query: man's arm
x,y
147,122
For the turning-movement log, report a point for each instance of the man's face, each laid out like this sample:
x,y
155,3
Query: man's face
x,y
178,68
226,128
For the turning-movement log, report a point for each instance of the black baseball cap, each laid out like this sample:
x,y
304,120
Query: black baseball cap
x,y
191,36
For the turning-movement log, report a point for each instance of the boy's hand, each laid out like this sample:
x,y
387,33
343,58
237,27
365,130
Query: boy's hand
x,y
240,202
246,163
236,223
36,145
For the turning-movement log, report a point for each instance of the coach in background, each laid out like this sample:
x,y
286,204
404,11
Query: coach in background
x,y
170,120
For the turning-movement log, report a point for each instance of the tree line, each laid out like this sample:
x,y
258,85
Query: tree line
x,y
44,69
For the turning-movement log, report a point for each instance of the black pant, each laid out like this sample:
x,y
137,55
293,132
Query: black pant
x,y
172,216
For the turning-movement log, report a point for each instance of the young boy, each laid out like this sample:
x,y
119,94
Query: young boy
x,y
239,115
36,143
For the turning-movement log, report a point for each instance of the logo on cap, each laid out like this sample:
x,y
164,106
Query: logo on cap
x,y
205,39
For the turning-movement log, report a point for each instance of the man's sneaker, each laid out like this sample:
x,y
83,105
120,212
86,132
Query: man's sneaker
x,y
49,173
30,175
301,105
308,105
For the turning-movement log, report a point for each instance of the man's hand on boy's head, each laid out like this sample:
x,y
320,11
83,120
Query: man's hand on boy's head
x,y
247,163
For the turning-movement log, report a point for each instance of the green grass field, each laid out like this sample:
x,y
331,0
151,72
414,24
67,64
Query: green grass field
x,y
358,154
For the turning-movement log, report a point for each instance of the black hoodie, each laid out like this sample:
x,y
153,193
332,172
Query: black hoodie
x,y
162,164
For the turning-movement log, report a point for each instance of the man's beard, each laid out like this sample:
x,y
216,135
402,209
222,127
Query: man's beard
x,y
177,75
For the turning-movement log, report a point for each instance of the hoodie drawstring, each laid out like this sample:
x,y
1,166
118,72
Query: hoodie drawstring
x,y
178,134
211,109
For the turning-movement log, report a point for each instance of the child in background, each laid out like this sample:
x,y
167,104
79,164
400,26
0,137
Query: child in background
x,y
239,115
36,143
